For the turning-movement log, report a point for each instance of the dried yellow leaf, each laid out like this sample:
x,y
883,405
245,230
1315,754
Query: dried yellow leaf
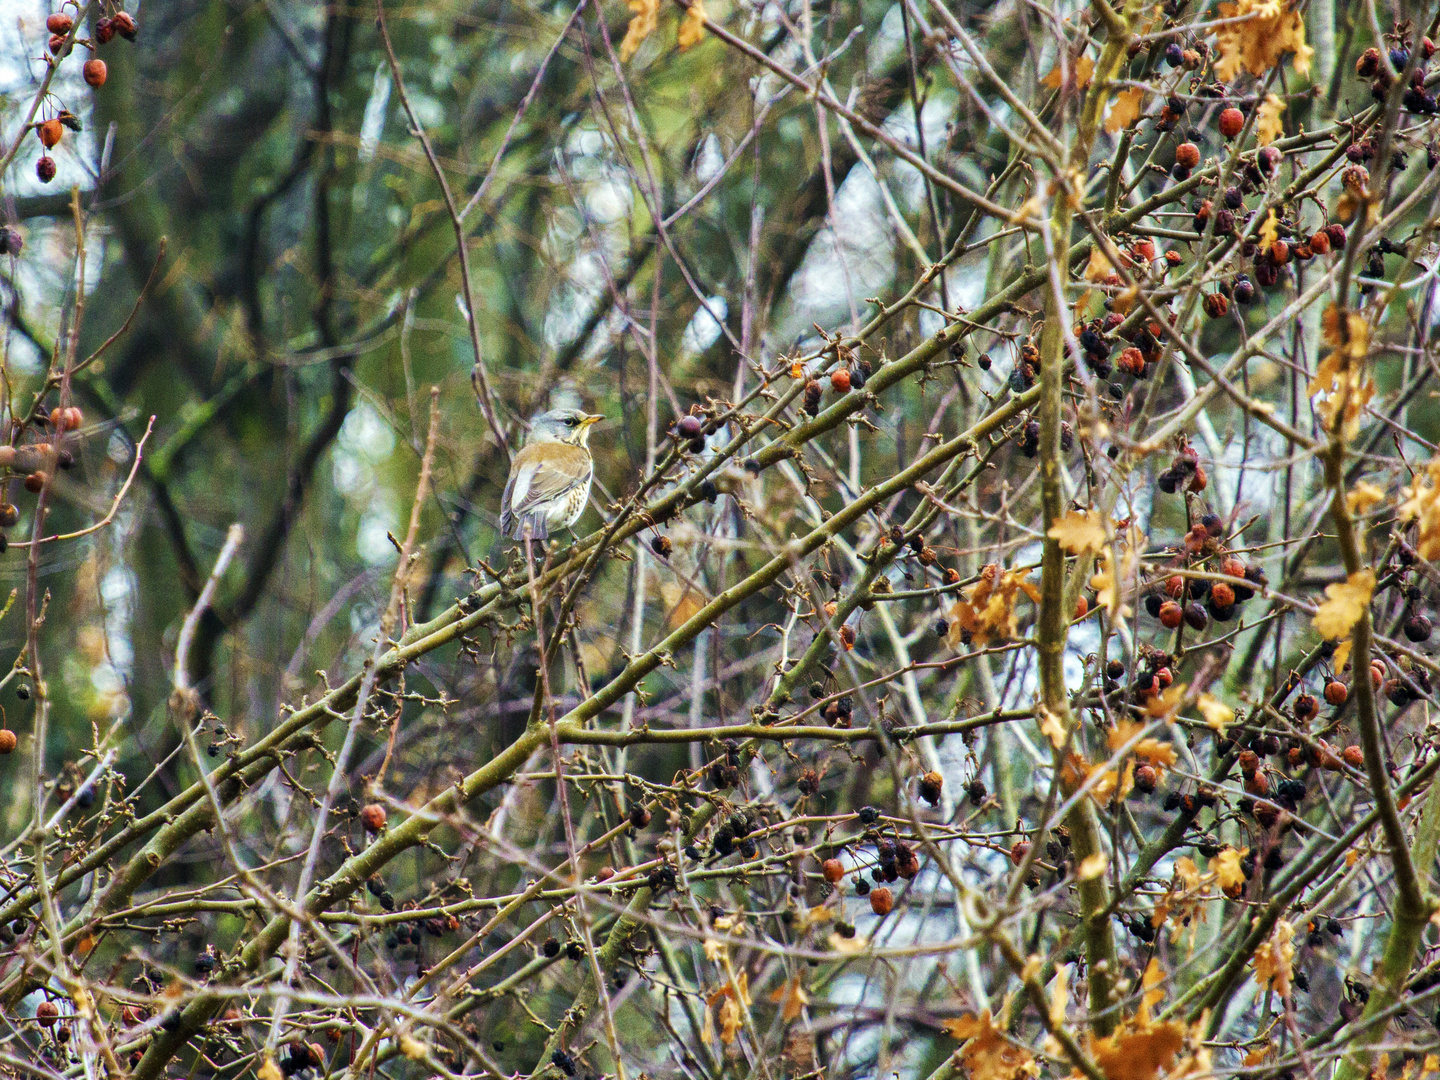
x,y
1363,497
692,26
1273,960
1216,713
1059,995
1226,867
1092,866
1079,531
1268,125
1053,728
1269,231
1146,1053
1268,30
1422,505
642,24
1347,601
1098,266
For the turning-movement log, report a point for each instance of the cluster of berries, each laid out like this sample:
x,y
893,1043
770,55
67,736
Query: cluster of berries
x,y
1416,99
61,27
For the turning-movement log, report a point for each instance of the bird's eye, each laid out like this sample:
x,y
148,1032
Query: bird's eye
x,y
570,421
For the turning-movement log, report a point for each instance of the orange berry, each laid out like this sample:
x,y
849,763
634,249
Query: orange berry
x,y
840,381
833,869
1232,567
8,741
1146,778
1256,784
931,785
1187,154
1249,762
1377,674
1143,251
1222,595
1232,121
1320,243
35,482
1215,305
882,901
1354,756
1175,586
1199,481
94,72
50,133
1336,692
1306,708
1082,607
1171,614
373,817
47,1012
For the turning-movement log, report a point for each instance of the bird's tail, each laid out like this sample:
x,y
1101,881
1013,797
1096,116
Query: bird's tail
x,y
517,528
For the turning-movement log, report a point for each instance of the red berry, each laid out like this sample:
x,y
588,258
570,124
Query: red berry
x,y
1175,586
8,741
373,817
59,23
35,482
94,71
1082,607
1257,785
1336,692
1354,756
1171,614
1019,850
124,24
47,1012
882,901
840,381
1187,154
45,169
1199,481
833,869
1320,243
1249,762
104,31
51,132
1215,305
1232,121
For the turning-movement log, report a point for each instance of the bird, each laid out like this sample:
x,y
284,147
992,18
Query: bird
x,y
549,482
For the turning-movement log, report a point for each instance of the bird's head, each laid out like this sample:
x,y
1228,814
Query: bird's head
x,y
564,425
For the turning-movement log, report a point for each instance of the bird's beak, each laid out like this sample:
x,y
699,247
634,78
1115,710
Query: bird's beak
x,y
593,418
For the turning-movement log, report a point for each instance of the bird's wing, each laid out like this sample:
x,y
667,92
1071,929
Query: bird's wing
x,y
537,479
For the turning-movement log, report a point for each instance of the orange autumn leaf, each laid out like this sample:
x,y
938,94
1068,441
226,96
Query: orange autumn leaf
x,y
1422,505
1146,1053
987,1054
1274,959
1082,70
791,998
1125,111
986,609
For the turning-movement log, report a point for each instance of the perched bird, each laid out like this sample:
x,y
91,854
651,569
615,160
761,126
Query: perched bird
x,y
549,481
